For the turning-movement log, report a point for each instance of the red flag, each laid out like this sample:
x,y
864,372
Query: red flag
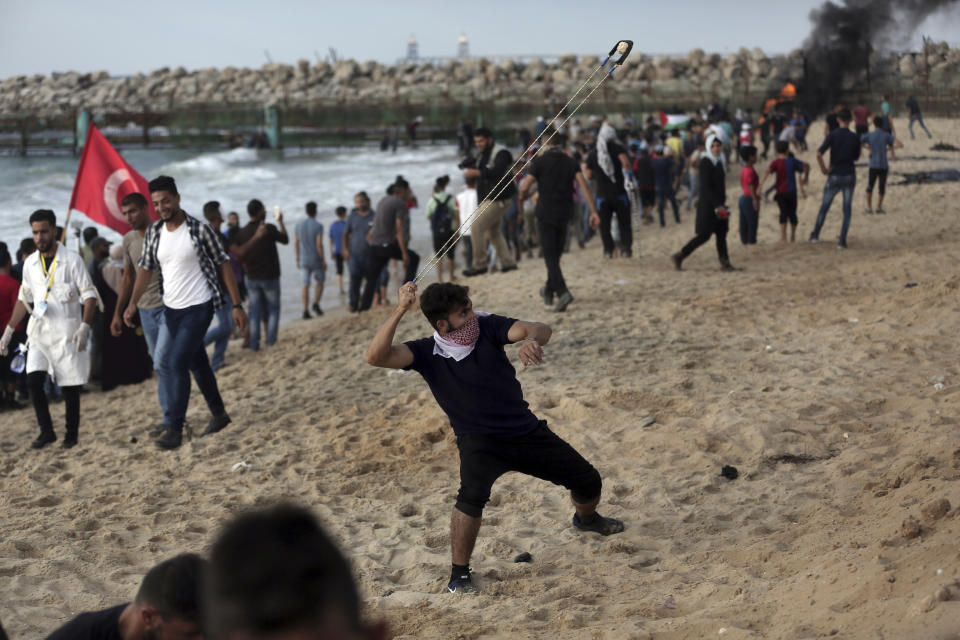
x,y
104,179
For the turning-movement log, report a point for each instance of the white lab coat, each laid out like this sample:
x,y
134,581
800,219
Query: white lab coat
x,y
48,346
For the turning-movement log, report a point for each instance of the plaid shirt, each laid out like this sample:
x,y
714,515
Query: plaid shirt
x,y
209,251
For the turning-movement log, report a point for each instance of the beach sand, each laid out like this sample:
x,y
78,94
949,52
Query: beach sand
x,y
812,371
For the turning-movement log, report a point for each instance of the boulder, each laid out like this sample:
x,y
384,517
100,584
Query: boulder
x,y
567,60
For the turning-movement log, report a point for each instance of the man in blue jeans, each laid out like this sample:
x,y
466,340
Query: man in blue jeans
x,y
219,335
844,146
256,246
355,245
191,264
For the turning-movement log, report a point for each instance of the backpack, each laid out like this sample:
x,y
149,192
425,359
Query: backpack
x,y
441,221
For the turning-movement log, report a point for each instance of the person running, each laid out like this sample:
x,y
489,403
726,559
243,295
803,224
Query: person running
x,y
189,257
61,299
359,223
913,108
844,146
308,246
388,239
785,167
749,202
713,217
168,604
336,244
555,173
879,141
610,167
473,381
444,220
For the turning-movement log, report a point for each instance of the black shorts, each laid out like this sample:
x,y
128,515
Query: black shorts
x,y
788,207
648,197
440,239
540,453
862,129
338,260
874,176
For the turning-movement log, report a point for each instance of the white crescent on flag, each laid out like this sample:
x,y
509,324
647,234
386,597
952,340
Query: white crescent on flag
x,y
110,188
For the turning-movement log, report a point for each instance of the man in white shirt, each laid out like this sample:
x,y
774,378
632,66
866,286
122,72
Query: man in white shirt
x,y
61,298
189,257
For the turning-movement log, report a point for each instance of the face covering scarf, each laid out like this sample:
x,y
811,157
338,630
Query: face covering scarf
x,y
459,343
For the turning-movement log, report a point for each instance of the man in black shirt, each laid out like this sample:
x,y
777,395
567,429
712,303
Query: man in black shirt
x,y
493,167
467,370
555,172
844,146
168,605
607,163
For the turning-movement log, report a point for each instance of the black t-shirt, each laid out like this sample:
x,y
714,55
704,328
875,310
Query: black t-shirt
x,y
844,148
481,393
93,625
833,122
643,169
262,262
913,107
606,188
555,172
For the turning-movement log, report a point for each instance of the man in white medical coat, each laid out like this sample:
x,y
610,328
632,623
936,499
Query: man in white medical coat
x,y
61,299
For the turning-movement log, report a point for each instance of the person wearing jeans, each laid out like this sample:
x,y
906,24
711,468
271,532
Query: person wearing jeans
x,y
193,272
264,303
256,245
844,148
218,335
388,240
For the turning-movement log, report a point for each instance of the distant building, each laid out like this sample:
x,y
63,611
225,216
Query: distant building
x,y
463,47
413,50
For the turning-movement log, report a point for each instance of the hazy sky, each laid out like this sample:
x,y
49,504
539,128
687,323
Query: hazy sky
x,y
127,36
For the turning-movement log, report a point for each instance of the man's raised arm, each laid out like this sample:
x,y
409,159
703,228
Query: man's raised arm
x,y
382,352
533,335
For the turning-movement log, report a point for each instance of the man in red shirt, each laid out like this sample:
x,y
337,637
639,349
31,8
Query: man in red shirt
x,y
861,119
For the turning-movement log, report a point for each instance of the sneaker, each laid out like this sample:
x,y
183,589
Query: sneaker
x,y
547,296
508,267
462,583
565,298
69,441
603,526
170,440
217,423
43,440
841,245
306,315
157,431
316,309
880,210
677,261
626,253
474,272
870,211
813,240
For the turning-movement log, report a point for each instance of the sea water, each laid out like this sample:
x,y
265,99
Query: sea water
x,y
329,177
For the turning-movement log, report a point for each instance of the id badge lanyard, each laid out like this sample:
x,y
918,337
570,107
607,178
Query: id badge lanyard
x,y
41,307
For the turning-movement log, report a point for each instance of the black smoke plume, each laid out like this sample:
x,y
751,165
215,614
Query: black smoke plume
x,y
837,52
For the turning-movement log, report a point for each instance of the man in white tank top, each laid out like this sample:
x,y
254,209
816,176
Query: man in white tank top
x,y
194,270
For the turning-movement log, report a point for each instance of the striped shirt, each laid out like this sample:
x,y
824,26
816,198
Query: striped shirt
x,y
209,251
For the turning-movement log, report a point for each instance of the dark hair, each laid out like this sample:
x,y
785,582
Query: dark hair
x,y
844,115
441,299
878,121
557,138
163,183
175,588
44,215
135,198
89,233
362,194
747,151
482,132
254,207
274,570
782,146
311,208
400,183
27,246
471,181
210,210
340,211
441,184
5,257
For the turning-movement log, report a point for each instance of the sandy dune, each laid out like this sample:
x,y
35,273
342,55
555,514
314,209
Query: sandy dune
x,y
812,371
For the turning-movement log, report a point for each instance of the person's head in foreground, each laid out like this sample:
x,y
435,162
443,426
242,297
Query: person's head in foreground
x,y
275,575
447,307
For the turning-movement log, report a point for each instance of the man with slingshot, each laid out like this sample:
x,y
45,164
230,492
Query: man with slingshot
x,y
475,384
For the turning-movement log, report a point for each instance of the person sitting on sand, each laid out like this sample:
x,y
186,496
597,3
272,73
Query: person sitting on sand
x,y
275,574
465,365
169,604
